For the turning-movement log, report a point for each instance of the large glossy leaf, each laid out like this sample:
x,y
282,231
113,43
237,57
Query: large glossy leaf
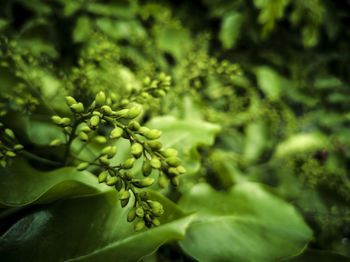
x,y
22,185
88,229
246,224
185,135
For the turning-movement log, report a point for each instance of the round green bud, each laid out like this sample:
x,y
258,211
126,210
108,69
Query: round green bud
x,y
55,142
85,128
129,163
163,182
157,208
110,151
140,212
102,176
94,121
83,136
18,147
56,120
169,152
136,150
133,112
159,93
139,226
173,171
10,154
146,81
111,181
65,121
156,222
134,125
124,195
122,113
82,166
146,182
100,98
107,110
153,134
104,160
173,161
143,130
70,100
131,215
175,181
3,163
119,184
155,163
128,176
100,139
10,133
78,107
155,145
181,169
116,133
146,167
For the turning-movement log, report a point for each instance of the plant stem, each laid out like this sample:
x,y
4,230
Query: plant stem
x,y
40,159
71,138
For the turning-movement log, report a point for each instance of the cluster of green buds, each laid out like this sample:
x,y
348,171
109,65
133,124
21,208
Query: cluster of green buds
x,y
144,144
8,146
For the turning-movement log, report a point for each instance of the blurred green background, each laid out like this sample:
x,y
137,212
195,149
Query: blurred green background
x,y
259,110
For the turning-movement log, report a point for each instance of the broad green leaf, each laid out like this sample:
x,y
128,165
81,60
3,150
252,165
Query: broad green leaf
x,y
301,143
22,185
248,223
185,135
230,29
270,82
88,229
311,255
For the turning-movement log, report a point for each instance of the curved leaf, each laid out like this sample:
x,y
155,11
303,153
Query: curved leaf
x,y
88,229
22,185
246,224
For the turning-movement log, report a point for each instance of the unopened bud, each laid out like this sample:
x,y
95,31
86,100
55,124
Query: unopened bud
x,y
116,133
82,166
136,150
100,98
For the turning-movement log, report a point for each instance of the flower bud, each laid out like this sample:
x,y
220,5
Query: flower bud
x,y
78,107
82,166
122,113
116,133
102,176
56,120
143,130
110,151
155,145
10,133
169,152
83,136
157,208
94,121
146,81
139,226
128,176
156,222
175,181
65,121
85,128
140,212
146,182
159,93
155,163
124,195
146,167
129,163
173,171
173,161
100,139
18,147
163,182
55,142
10,154
107,110
100,98
70,100
133,112
104,160
181,169
111,181
136,150
134,125
153,134
131,215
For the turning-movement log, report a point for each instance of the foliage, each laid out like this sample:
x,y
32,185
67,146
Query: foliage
x,y
99,100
